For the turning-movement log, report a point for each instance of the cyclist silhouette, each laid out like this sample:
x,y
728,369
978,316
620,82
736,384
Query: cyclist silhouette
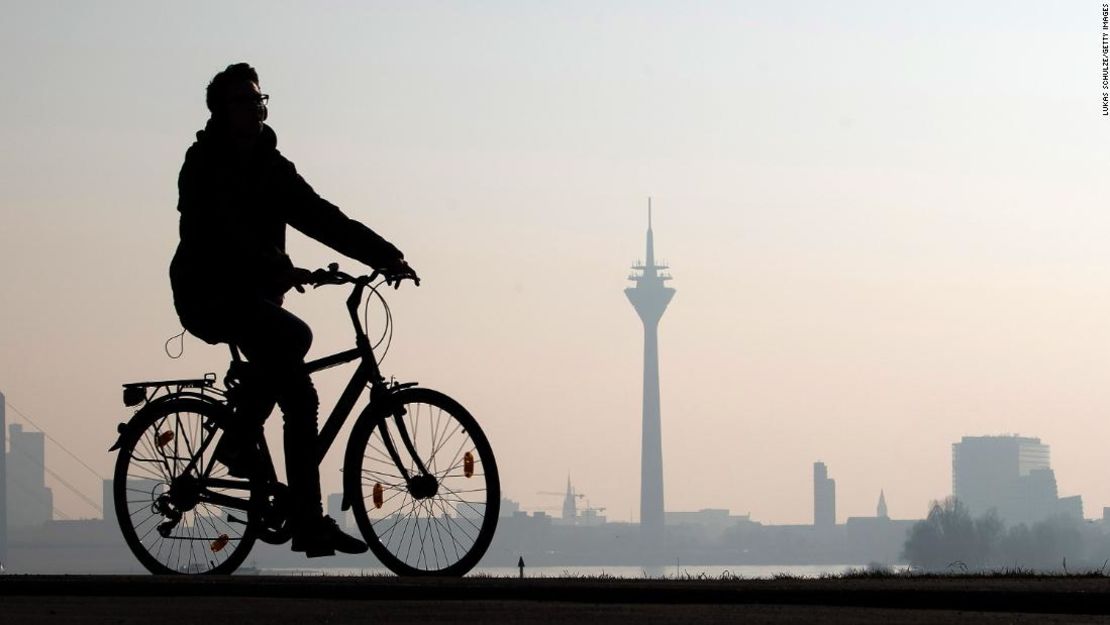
x,y
230,273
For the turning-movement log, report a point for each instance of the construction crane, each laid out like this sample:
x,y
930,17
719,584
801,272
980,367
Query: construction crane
x,y
548,492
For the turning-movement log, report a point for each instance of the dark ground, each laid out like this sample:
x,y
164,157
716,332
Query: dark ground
x,y
334,600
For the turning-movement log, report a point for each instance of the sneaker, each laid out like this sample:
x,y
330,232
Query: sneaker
x,y
324,538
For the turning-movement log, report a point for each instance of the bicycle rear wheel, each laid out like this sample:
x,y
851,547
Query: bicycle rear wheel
x,y
178,509
437,525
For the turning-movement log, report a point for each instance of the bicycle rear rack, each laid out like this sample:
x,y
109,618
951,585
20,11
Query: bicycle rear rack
x,y
136,393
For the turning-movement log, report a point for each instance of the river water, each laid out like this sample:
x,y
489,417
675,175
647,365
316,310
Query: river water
x,y
677,571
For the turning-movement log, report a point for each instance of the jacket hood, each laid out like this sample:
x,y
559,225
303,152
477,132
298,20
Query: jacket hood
x,y
216,135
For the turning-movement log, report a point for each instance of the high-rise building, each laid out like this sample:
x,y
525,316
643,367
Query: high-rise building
x,y
107,501
1008,474
650,297
824,497
3,480
30,502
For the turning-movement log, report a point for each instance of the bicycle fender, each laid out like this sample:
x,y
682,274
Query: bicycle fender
x,y
125,427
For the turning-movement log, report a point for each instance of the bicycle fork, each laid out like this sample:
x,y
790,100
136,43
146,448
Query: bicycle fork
x,y
421,486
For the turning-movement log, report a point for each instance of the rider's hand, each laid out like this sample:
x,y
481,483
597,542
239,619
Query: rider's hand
x,y
399,271
298,277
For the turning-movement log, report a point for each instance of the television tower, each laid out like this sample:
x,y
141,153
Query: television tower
x,y
650,298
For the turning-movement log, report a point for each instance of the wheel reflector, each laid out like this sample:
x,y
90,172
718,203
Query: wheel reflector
x,y
379,493
468,464
219,544
164,438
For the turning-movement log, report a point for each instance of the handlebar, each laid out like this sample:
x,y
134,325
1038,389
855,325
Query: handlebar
x,y
332,275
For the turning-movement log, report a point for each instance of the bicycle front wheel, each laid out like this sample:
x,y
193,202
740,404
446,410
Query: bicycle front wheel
x,y
177,507
435,523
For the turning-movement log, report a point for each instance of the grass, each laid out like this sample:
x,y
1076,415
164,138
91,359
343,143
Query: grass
x,y
873,571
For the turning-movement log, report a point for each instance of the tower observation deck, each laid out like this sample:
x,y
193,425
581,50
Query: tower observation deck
x,y
650,297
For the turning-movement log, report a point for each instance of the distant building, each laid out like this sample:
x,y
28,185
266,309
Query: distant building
x,y
509,507
880,510
824,497
1010,475
708,517
1071,506
30,502
877,539
710,523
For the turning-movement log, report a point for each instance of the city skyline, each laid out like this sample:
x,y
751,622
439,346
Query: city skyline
x,y
983,470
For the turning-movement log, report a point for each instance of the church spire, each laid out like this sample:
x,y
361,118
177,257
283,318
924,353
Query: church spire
x,y
881,511
570,510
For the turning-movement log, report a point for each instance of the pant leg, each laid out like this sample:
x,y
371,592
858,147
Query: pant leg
x,y
276,341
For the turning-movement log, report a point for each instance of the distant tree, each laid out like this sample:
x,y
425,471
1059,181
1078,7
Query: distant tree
x,y
950,537
989,530
1044,546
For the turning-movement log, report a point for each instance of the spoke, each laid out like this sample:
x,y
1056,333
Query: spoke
x,y
472,490
416,429
438,540
386,475
481,513
176,440
415,526
387,462
464,518
458,452
396,491
161,544
465,501
454,541
397,518
462,476
447,439
151,447
370,445
423,540
411,529
446,423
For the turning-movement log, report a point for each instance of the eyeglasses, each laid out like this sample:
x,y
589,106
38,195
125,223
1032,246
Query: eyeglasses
x,y
261,99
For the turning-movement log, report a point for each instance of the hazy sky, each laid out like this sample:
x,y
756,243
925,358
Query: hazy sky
x,y
887,223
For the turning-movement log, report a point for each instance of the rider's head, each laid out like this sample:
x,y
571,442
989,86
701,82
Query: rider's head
x,y
235,100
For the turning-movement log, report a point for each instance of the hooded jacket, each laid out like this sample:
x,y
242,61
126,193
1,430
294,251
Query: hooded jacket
x,y
234,209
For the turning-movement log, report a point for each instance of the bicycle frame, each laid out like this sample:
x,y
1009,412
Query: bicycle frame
x,y
367,373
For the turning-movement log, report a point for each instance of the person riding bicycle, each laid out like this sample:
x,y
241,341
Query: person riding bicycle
x,y
230,272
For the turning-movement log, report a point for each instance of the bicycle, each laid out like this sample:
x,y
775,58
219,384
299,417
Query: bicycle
x,y
418,472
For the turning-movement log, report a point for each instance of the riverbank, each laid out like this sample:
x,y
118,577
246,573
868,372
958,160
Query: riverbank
x,y
268,599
